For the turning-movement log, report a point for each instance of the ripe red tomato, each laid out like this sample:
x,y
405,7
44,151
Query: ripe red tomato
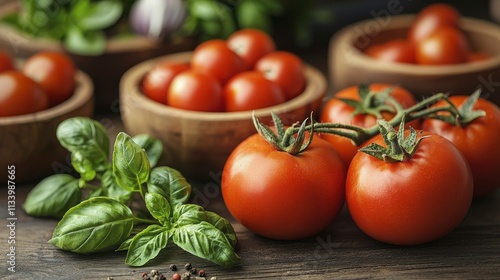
x,y
250,44
281,196
55,72
430,19
477,56
338,111
478,141
446,45
396,50
414,201
5,62
157,80
20,95
214,57
191,90
285,69
250,90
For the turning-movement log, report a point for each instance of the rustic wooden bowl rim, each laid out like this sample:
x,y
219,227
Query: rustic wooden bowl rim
x,y
83,92
316,84
346,36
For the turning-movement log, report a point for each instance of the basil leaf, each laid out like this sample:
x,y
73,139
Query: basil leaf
x,y
96,224
113,190
53,196
130,163
170,183
87,137
185,214
159,207
152,146
146,245
91,42
223,225
95,15
83,166
125,244
207,242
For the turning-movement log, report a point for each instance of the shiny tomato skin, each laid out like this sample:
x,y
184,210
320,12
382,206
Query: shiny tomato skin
x,y
285,69
397,50
337,111
477,56
445,46
250,44
191,90
478,141
6,62
157,80
411,202
20,95
55,72
281,196
431,18
214,57
250,90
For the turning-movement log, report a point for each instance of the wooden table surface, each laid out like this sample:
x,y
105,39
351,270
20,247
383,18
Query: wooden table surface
x,y
472,251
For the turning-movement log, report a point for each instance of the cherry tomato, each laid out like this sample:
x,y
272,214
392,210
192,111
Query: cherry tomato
x,y
395,50
214,57
191,90
430,19
157,80
250,44
285,69
20,95
281,196
6,62
338,111
478,141
250,90
446,45
414,201
55,72
477,56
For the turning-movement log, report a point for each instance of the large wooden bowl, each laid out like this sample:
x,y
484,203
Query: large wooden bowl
x,y
348,65
198,143
29,143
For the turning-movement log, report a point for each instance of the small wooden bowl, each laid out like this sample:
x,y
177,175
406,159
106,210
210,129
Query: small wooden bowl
x,y
198,143
349,66
29,142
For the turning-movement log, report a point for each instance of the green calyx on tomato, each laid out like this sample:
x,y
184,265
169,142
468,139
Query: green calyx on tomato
x,y
398,148
463,115
371,102
284,139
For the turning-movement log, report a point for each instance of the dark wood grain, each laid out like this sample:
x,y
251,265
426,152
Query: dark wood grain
x,y
472,251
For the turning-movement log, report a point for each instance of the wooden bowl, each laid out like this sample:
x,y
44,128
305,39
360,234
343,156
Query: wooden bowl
x,y
29,143
348,65
105,69
198,143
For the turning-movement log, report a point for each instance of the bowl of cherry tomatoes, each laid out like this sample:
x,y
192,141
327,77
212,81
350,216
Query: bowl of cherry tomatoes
x,y
36,94
200,103
436,50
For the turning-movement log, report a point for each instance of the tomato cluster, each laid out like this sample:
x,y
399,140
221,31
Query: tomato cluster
x,y
46,79
244,72
405,190
434,38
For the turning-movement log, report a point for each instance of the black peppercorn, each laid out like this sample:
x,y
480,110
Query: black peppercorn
x,y
173,267
193,271
188,266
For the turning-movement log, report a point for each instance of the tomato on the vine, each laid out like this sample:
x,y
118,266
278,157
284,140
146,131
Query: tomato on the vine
x,y
250,90
414,201
477,140
250,44
191,90
446,45
55,72
283,196
214,57
6,62
337,111
285,69
431,18
20,95
157,80
396,50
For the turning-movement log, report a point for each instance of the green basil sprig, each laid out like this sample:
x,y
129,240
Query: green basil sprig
x,y
103,218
